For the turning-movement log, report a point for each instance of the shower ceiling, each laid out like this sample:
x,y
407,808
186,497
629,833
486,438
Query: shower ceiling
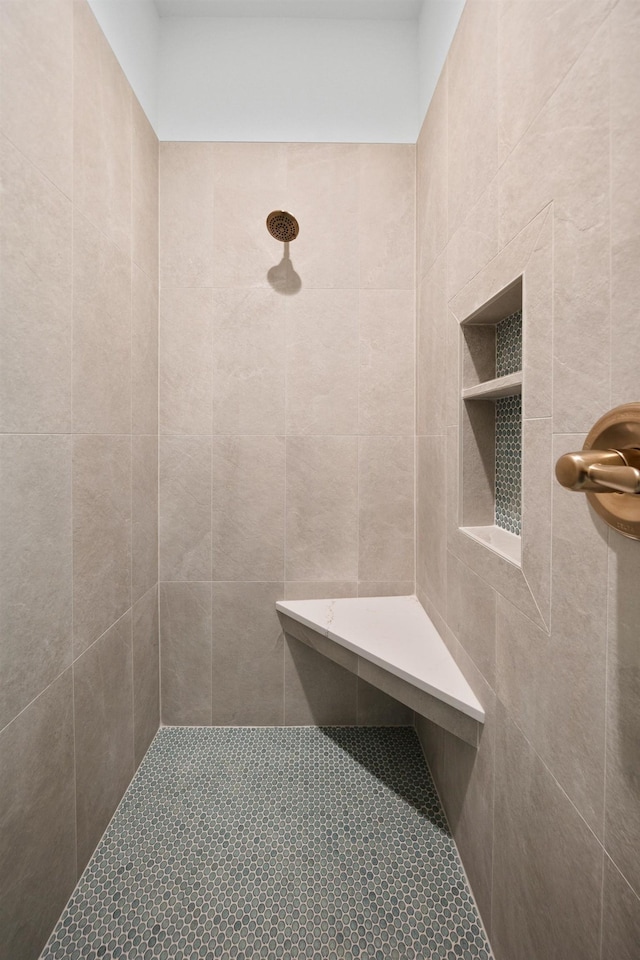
x,y
312,9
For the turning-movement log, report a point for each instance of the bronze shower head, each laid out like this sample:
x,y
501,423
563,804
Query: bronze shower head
x,y
282,226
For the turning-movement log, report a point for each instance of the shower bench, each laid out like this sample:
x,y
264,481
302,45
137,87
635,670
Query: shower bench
x,y
392,644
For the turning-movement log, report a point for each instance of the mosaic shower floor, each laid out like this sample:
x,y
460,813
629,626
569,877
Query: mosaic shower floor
x,y
294,842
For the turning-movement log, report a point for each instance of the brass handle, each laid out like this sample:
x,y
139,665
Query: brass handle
x,y
600,470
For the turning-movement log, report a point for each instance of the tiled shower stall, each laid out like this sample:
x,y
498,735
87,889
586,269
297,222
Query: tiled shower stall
x,y
190,436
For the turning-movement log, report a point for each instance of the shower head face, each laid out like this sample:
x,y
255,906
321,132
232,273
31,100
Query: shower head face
x,y
282,226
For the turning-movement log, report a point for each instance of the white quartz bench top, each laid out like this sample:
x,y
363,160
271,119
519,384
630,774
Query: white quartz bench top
x,y
396,634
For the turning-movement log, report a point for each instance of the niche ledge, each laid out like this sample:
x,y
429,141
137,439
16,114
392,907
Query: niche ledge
x,y
501,541
392,644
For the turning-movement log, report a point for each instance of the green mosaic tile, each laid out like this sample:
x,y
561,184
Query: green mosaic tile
x,y
509,345
509,463
290,842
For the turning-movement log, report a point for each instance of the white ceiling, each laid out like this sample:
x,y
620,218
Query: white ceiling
x,y
312,9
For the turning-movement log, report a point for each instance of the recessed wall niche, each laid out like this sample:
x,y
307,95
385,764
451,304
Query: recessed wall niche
x,y
491,507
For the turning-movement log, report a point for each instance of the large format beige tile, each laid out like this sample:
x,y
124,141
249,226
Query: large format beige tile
x,y
103,710
248,488
385,519
144,353
386,588
144,193
186,215
185,653
621,916
102,132
101,333
431,369
467,792
184,518
387,201
322,508
37,820
248,654
319,590
101,535
144,515
387,362
538,44
322,193
146,671
322,363
625,201
475,242
547,866
185,361
248,361
471,615
35,284
431,528
317,690
377,709
472,78
622,811
432,231
248,183
36,84
35,567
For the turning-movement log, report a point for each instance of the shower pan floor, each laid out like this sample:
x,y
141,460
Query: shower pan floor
x,y
275,842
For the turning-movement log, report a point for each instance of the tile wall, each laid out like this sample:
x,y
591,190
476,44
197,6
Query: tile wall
x,y
547,814
78,454
286,419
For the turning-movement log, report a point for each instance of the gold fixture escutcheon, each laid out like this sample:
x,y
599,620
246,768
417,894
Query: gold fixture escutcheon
x,y
608,469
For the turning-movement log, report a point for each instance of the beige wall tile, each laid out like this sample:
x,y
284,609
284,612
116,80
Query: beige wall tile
x,y
248,654
146,671
185,653
325,589
103,710
184,524
538,45
144,515
322,193
621,916
322,508
186,215
144,354
431,371
475,242
625,201
101,333
35,278
387,257
185,361
101,116
387,362
101,535
537,492
35,567
317,691
249,182
36,84
472,77
431,530
248,508
322,363
547,867
468,790
37,812
471,615
622,811
377,709
386,588
431,739
248,361
385,491
432,231
144,193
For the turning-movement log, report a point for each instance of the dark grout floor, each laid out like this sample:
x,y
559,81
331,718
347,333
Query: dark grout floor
x,y
275,842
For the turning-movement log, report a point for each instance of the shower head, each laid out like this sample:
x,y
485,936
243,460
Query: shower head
x,y
282,226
